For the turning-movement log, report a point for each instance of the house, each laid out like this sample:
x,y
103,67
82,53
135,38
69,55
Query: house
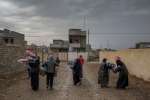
x,y
12,47
11,38
77,40
143,45
59,46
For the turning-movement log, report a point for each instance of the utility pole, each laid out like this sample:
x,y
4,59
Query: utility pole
x,y
43,53
84,23
88,44
108,44
88,37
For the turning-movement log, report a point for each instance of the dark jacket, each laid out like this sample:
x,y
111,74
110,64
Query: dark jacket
x,y
77,68
34,65
123,75
50,66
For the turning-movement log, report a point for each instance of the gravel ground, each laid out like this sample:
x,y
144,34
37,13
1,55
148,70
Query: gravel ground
x,y
65,90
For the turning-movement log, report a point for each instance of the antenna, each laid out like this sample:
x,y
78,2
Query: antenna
x,y
84,23
88,36
108,44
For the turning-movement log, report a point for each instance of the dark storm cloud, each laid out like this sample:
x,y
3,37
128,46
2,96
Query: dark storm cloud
x,y
95,8
42,17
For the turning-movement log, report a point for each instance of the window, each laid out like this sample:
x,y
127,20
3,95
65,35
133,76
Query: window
x,y
6,40
12,41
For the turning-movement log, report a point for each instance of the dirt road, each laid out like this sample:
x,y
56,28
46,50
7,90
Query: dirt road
x,y
89,90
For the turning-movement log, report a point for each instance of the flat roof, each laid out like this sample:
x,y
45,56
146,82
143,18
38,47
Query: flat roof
x,y
8,33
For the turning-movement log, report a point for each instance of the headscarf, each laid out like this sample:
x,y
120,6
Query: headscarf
x,y
30,55
29,52
50,57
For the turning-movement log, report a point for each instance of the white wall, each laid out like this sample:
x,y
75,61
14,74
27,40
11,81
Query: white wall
x,y
75,55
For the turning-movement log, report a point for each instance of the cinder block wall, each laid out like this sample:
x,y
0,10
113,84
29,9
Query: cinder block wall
x,y
8,59
137,61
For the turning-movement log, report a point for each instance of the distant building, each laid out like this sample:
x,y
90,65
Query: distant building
x,y
11,38
77,40
12,48
36,48
143,45
59,46
88,47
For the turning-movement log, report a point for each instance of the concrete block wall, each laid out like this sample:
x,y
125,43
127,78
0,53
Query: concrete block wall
x,y
8,59
137,61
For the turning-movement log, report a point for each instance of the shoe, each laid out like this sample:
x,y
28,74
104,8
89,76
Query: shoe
x,y
107,87
47,87
51,88
102,87
79,83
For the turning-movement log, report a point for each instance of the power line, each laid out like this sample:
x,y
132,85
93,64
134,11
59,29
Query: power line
x,y
90,35
44,35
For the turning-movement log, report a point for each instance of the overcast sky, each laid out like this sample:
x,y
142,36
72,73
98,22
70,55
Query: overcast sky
x,y
112,23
